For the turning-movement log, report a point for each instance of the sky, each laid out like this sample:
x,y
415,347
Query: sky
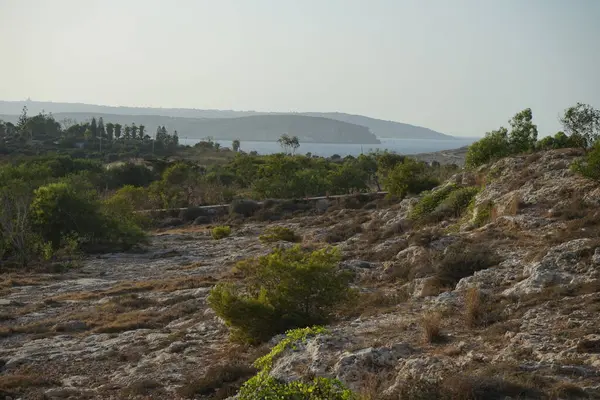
x,y
461,67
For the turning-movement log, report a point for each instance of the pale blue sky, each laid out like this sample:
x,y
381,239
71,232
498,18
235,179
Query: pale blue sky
x,y
461,67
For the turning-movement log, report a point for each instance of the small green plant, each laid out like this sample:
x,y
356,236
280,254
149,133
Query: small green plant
x,y
447,201
279,233
283,290
264,387
430,201
589,166
482,214
220,232
458,200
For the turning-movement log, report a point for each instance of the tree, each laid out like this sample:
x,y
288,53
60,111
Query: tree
x,y
584,121
42,126
288,143
175,139
127,134
94,128
101,129
88,135
142,131
295,143
110,131
523,134
16,236
134,131
235,145
22,119
409,177
117,131
493,146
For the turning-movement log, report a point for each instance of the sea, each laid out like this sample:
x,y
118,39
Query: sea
x,y
400,146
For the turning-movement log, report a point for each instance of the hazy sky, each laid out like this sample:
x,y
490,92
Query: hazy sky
x,y
461,67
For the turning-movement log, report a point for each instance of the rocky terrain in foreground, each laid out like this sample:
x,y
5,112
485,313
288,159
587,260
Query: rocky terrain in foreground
x,y
524,325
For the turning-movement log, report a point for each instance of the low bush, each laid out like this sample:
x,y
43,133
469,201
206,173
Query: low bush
x,y
192,213
458,200
283,290
483,214
430,201
589,166
220,232
244,207
279,233
448,201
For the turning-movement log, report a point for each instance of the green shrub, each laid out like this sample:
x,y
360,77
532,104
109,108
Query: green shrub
x,y
192,213
264,387
430,201
458,200
244,207
493,146
589,166
483,214
59,210
279,233
409,177
220,232
64,209
283,290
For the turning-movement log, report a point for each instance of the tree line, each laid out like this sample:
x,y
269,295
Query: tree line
x,y
39,133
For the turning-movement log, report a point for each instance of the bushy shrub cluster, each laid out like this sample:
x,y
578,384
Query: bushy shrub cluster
x,y
220,232
589,166
409,177
283,290
279,233
60,218
450,200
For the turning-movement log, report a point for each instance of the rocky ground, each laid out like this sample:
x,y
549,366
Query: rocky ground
x,y
524,325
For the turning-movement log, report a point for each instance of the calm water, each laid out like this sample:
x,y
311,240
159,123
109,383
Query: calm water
x,y
402,146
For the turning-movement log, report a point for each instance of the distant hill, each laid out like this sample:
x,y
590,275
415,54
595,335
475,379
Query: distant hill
x,y
385,129
381,128
251,128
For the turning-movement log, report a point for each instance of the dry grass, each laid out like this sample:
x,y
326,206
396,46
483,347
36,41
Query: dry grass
x,y
463,259
473,307
431,322
219,382
128,287
375,303
120,314
342,232
11,386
